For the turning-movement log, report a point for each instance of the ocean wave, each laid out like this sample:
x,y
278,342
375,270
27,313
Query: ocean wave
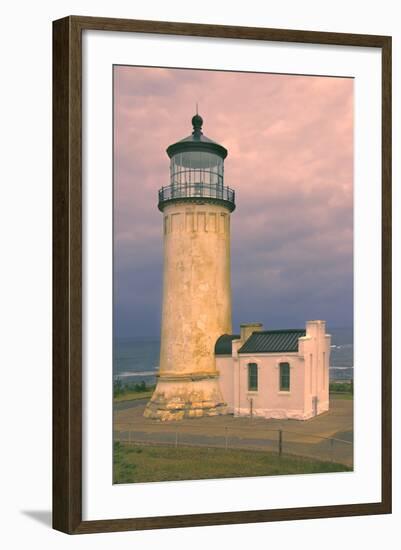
x,y
341,346
341,368
141,373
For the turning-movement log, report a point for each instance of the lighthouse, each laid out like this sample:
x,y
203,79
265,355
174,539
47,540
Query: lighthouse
x,y
196,310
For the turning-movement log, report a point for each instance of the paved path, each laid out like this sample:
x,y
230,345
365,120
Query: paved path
x,y
308,438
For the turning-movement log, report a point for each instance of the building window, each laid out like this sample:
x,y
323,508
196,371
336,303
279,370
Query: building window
x,y
252,377
284,377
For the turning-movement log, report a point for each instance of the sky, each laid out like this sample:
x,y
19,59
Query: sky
x,y
290,161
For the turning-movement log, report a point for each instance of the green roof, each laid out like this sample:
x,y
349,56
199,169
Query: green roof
x,y
223,344
273,341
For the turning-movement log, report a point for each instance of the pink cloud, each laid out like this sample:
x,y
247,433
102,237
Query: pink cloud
x,y
290,161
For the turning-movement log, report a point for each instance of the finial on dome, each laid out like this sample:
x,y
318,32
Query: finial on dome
x,y
197,122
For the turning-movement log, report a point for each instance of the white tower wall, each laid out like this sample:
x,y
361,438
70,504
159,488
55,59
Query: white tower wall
x,y
196,309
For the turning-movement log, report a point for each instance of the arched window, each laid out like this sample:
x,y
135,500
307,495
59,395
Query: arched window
x,y
252,377
284,377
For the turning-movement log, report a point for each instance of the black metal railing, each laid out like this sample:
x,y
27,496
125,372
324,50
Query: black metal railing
x,y
196,190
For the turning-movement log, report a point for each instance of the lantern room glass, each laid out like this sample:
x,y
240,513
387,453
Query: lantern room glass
x,y
196,173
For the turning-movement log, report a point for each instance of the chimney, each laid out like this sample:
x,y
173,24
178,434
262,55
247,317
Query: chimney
x,y
315,328
247,329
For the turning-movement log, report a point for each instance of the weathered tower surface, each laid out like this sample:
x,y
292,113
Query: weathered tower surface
x,y
196,209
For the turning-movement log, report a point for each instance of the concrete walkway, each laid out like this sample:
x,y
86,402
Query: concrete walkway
x,y
326,437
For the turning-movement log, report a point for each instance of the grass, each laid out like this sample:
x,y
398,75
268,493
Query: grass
x,y
342,390
347,396
144,463
131,391
132,396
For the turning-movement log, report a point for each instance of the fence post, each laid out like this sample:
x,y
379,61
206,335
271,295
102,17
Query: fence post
x,y
226,437
332,449
129,437
176,439
280,442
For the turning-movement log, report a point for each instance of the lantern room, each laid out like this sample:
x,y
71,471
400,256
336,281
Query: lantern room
x,y
197,170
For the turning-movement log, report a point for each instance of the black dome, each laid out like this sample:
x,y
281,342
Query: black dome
x,y
197,141
197,122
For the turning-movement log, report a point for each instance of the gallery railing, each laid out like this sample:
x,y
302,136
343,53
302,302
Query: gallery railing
x,y
197,190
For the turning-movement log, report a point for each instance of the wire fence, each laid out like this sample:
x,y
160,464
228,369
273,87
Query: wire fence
x,y
279,441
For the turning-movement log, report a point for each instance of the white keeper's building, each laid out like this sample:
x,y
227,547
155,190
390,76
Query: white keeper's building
x,y
275,373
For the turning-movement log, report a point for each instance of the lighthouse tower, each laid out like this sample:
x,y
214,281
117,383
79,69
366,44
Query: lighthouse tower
x,y
196,209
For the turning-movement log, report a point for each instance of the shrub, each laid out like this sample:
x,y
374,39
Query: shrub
x,y
118,387
342,387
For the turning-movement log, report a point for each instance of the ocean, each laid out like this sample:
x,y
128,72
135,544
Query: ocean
x,y
136,360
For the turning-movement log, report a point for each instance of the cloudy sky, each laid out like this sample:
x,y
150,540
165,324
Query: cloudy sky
x,y
290,161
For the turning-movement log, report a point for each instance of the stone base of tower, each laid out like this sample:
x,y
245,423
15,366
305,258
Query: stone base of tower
x,y
185,396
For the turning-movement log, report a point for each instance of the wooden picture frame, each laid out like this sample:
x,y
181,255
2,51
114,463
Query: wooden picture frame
x,y
67,273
